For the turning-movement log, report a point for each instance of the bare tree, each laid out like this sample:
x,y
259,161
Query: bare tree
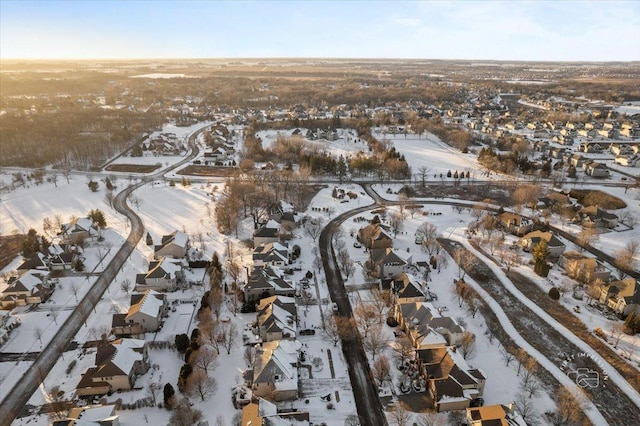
x,y
185,415
526,408
587,237
477,211
345,262
366,317
75,289
374,342
507,355
625,257
250,355
47,226
528,381
200,384
125,285
154,390
313,227
427,234
616,329
423,171
331,327
380,302
230,336
464,261
109,197
382,370
400,416
432,418
395,222
467,344
403,348
38,333
216,296
205,359
54,315
352,420
461,291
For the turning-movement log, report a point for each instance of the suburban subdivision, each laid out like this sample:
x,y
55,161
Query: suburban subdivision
x,y
319,242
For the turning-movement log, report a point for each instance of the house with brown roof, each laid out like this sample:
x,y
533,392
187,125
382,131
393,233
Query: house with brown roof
x,y
595,216
388,262
29,288
90,415
265,413
79,230
276,318
495,415
622,296
266,281
145,315
118,364
425,326
275,371
583,268
451,383
532,239
514,223
404,288
373,236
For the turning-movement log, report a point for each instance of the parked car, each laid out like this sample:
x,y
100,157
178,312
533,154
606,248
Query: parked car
x,y
357,245
307,332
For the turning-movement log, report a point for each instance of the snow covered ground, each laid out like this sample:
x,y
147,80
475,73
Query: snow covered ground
x,y
346,145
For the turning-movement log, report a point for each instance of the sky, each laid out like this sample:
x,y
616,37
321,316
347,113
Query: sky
x,y
513,30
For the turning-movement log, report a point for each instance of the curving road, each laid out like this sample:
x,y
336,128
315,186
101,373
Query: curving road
x,y
364,391
18,397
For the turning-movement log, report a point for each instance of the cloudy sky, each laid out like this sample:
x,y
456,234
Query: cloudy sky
x,y
514,30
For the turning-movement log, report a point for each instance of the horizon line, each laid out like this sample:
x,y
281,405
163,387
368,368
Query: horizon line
x,y
311,58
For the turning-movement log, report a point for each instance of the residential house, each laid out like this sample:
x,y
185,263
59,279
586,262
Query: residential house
x,y
90,415
79,230
267,233
28,288
117,366
595,216
266,281
597,170
555,202
163,275
514,223
583,268
36,261
175,245
388,262
373,236
494,415
425,326
404,288
451,383
277,318
532,239
145,315
265,413
628,160
271,254
275,371
622,296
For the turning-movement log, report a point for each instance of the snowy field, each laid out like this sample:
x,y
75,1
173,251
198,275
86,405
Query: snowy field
x,y
429,151
347,144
